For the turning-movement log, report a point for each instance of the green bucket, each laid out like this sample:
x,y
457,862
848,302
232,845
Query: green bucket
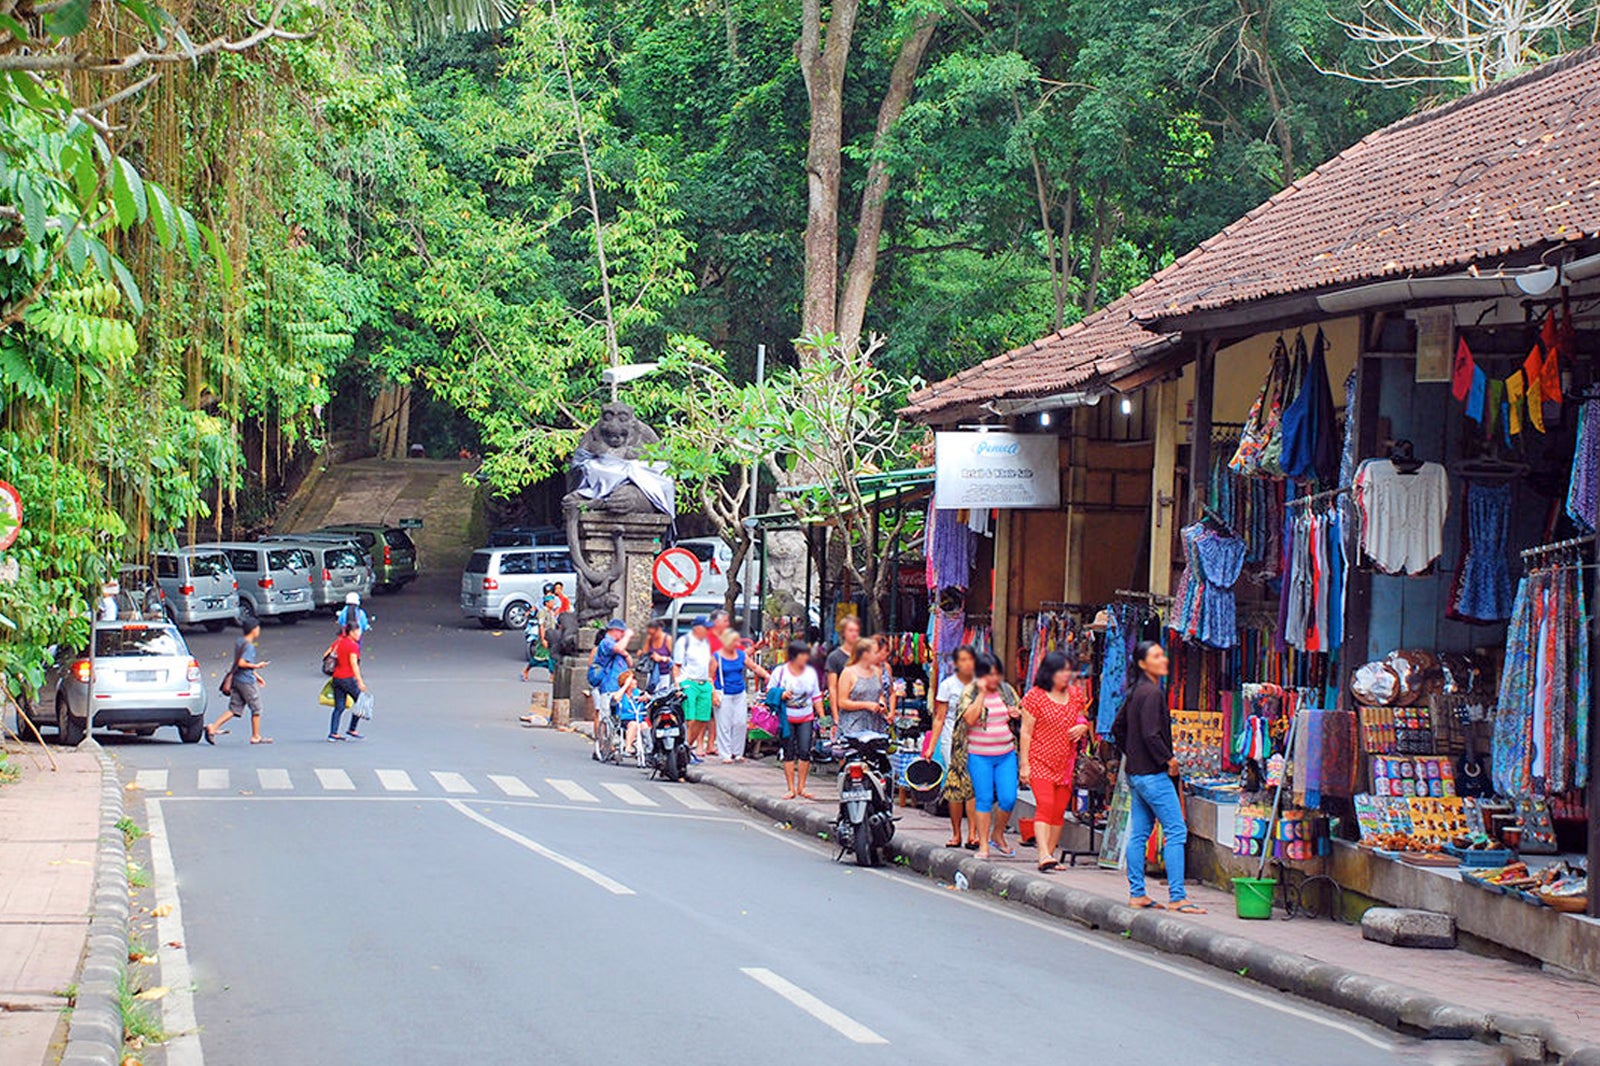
x,y
1252,896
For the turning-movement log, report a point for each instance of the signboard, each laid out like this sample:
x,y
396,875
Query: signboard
x,y
1436,334
410,523
10,514
676,572
1008,470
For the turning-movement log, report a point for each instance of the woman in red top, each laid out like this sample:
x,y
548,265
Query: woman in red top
x,y
1053,725
347,683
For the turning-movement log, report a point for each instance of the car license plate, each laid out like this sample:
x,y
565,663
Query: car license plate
x,y
294,594
850,795
667,732
143,675
213,601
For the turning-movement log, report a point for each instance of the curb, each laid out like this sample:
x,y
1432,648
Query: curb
x,y
94,1036
1530,1041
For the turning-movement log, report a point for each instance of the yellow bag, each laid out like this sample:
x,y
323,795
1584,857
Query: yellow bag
x,y
326,697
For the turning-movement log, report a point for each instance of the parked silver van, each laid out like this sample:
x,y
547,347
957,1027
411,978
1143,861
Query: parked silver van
x,y
337,567
502,586
200,586
274,579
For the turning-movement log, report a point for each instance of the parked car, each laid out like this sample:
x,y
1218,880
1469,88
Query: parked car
x,y
394,556
314,537
526,536
200,586
135,677
502,586
274,578
338,567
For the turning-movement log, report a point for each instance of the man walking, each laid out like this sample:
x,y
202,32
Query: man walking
x,y
691,669
611,658
244,686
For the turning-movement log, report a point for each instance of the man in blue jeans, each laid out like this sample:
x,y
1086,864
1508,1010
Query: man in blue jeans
x,y
1143,731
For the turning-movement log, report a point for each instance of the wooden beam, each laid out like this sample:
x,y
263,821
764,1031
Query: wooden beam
x,y
1163,487
1358,599
1205,390
1000,608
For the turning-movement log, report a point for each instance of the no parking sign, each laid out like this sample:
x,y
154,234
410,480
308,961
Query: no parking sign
x,y
676,572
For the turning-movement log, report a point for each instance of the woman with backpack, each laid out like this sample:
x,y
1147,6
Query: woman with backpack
x,y
348,684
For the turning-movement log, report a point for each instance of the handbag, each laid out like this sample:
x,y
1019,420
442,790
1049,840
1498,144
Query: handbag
x,y
1261,423
1289,390
225,686
330,662
1089,772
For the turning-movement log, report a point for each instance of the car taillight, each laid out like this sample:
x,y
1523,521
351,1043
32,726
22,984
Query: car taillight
x,y
857,771
194,670
490,584
186,590
326,577
264,582
388,556
236,586
82,671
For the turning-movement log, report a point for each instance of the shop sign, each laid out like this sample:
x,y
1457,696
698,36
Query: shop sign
x,y
996,470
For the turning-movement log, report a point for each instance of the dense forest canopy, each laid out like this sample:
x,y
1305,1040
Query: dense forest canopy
x,y
218,217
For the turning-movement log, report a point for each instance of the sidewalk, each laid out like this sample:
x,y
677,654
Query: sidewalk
x,y
49,829
1534,1012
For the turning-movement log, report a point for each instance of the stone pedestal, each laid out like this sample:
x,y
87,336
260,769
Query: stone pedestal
x,y
631,596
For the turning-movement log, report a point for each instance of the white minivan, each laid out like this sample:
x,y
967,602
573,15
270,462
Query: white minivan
x,y
502,586
200,586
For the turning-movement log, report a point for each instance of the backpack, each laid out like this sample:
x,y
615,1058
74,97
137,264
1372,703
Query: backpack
x,y
597,670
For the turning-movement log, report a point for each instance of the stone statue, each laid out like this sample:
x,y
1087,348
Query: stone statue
x,y
613,494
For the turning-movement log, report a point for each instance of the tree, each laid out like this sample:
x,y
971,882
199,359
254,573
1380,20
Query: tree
x,y
831,423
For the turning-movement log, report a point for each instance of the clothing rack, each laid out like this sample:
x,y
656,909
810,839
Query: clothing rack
x,y
1560,545
1143,597
1315,497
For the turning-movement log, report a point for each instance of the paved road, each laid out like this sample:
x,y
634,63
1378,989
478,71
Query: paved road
x,y
457,889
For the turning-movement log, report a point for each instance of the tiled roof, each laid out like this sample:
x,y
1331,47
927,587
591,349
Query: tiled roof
x,y
1102,344
1502,173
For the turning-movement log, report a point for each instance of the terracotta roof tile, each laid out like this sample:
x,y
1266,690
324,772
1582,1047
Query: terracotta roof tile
x,y
1505,172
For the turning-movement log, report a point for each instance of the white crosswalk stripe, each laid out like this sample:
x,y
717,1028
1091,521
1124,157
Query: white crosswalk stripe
x,y
274,780
513,786
396,781
335,780
689,798
209,778
572,790
629,795
452,782
151,780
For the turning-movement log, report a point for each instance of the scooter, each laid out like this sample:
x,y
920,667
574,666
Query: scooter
x,y
667,752
866,810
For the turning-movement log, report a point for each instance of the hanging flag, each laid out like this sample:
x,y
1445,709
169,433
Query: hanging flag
x,y
1515,386
1492,408
1550,377
1533,369
1477,394
1461,370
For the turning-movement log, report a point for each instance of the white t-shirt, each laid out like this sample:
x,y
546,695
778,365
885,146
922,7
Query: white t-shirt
x,y
949,694
800,692
693,657
1402,515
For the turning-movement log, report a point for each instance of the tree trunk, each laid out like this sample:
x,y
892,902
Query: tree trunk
x,y
823,65
863,268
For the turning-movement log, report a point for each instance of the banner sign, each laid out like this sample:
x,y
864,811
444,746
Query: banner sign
x,y
981,470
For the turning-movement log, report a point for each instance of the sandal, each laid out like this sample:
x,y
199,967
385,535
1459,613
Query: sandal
x,y
1048,865
1003,851
971,845
788,795
261,740
808,796
1146,904
211,735
1186,907
956,843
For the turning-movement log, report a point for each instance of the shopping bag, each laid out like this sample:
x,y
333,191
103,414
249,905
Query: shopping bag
x,y
1262,422
364,706
325,697
1288,390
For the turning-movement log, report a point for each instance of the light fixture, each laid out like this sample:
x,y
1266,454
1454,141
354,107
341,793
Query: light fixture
x,y
1127,405
1044,418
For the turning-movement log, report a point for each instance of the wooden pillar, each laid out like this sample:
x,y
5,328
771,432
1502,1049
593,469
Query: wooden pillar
x,y
1074,493
1358,598
1000,619
1205,390
1163,474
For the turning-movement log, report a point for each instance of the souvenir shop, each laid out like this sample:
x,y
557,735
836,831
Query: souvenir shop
x,y
1382,628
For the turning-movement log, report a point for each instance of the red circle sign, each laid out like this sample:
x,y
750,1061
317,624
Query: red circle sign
x,y
676,572
10,514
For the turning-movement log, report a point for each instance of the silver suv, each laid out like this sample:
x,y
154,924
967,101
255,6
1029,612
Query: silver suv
x,y
199,586
274,579
338,567
135,677
502,586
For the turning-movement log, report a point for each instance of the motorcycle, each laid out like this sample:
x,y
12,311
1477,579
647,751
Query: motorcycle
x,y
866,809
667,752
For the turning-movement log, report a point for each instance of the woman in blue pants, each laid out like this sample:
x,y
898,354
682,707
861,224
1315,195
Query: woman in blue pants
x,y
1143,731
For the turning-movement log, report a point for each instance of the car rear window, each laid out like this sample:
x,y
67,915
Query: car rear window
x,y
514,563
166,566
213,564
479,563
554,563
137,640
244,559
289,559
335,558
398,538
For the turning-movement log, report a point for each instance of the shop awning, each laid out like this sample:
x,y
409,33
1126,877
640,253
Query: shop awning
x,y
877,490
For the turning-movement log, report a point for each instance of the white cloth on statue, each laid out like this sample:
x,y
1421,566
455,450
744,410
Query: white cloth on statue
x,y
601,474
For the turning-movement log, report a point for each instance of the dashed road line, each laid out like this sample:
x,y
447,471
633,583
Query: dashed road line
x,y
396,781
210,778
572,790
833,1018
513,786
453,782
151,780
628,794
616,888
274,780
689,797
335,780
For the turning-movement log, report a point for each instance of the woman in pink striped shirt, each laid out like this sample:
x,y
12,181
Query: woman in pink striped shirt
x,y
988,708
